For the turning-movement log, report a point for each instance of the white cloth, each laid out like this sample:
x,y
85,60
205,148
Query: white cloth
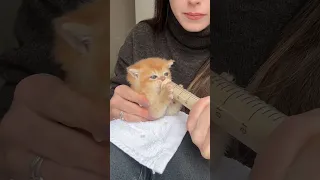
x,y
151,143
154,143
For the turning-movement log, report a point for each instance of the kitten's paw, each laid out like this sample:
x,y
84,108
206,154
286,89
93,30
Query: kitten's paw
x,y
174,101
169,89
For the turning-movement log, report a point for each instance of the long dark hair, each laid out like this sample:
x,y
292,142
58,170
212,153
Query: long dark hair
x,y
158,22
290,78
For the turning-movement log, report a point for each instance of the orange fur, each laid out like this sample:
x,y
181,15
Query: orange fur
x,y
86,71
146,77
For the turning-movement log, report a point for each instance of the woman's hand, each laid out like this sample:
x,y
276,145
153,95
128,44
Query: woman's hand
x,y
127,101
41,122
199,126
292,150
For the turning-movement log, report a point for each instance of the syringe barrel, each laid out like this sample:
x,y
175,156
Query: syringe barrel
x,y
244,116
183,96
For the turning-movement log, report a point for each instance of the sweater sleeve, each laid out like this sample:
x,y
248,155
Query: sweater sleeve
x,y
125,59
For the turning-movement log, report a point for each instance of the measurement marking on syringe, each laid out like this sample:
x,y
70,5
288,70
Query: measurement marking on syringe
x,y
256,104
255,113
240,96
266,111
187,100
227,90
180,94
230,90
252,101
272,114
221,84
228,85
230,96
245,98
218,83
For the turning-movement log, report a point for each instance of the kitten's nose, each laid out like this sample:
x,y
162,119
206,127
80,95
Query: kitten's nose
x,y
162,78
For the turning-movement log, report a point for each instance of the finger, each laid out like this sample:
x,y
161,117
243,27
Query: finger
x,y
55,141
19,162
196,111
118,102
271,162
126,116
199,133
51,98
205,148
127,93
306,163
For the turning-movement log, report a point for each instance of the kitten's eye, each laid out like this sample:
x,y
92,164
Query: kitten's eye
x,y
153,77
166,74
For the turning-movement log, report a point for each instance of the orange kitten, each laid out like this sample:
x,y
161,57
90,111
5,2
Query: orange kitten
x,y
146,77
82,46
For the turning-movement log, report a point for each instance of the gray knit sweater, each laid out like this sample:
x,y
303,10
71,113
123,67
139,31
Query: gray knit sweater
x,y
189,50
244,33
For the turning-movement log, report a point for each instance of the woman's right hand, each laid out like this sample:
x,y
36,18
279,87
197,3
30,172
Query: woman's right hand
x,y
38,124
127,101
292,150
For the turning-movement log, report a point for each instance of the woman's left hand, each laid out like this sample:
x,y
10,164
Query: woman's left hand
x,y
199,126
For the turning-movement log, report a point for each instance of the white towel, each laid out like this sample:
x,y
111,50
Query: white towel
x,y
154,143
151,143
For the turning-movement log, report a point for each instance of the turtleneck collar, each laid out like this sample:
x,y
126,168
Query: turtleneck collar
x,y
193,40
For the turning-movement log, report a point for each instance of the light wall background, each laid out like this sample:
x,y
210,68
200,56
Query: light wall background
x,y
144,9
124,15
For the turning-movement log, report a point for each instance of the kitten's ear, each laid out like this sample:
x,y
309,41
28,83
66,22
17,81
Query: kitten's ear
x,y
170,63
133,72
78,36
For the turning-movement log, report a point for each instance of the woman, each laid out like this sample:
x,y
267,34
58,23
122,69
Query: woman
x,y
175,32
34,130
